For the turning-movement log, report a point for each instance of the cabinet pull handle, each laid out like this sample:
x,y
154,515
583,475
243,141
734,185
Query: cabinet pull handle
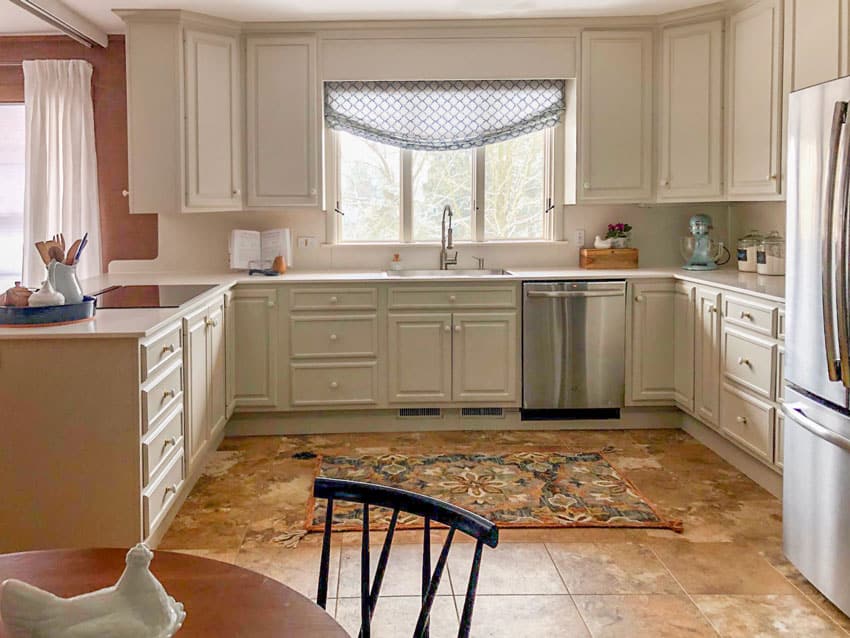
x,y
743,362
452,298
210,322
747,315
169,441
334,385
333,337
172,489
168,394
742,419
168,348
333,300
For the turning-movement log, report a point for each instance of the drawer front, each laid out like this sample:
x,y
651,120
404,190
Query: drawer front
x,y
159,352
313,336
748,421
160,395
479,297
161,444
333,299
759,318
333,384
750,362
157,498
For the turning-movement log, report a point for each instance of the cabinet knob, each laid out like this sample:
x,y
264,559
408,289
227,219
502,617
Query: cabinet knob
x,y
741,419
270,303
170,441
586,185
458,328
334,385
746,315
447,327
743,362
313,191
333,300
236,191
168,348
452,298
333,337
212,323
171,489
771,178
638,298
125,193
712,309
168,394
665,182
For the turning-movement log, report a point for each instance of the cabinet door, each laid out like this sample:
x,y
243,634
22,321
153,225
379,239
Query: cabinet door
x,y
650,350
196,370
691,112
754,109
213,151
255,318
217,358
420,357
683,367
707,355
283,121
229,355
616,116
816,40
484,355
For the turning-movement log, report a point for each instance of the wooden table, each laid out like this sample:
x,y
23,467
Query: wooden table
x,y
220,599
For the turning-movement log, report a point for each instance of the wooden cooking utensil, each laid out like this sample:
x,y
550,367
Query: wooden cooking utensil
x,y
43,251
72,253
56,253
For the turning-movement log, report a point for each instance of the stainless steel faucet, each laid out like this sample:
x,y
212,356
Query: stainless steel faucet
x,y
446,241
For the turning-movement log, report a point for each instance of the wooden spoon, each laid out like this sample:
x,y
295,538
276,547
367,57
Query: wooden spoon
x,y
72,253
42,249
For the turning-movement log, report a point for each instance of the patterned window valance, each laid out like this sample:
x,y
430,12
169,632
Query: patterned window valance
x,y
443,115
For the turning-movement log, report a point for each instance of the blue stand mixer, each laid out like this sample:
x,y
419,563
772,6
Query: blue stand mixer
x,y
699,250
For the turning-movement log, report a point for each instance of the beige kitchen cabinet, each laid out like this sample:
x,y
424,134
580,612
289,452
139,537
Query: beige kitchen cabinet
x,y
256,329
683,337
420,357
213,121
204,370
229,354
649,347
484,356
816,41
754,102
691,113
615,131
283,121
707,355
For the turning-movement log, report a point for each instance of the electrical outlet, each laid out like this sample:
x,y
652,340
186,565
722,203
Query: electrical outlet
x,y
580,237
308,242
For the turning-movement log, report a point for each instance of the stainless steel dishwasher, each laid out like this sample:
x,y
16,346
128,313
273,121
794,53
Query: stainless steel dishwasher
x,y
573,345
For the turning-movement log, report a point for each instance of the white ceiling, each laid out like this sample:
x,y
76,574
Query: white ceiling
x,y
15,20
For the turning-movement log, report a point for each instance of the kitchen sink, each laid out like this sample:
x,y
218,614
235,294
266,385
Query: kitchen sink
x,y
451,273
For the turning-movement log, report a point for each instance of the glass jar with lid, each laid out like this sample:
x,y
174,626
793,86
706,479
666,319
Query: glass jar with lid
x,y
771,255
748,246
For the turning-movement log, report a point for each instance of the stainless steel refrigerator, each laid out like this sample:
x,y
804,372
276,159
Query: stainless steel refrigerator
x,y
816,505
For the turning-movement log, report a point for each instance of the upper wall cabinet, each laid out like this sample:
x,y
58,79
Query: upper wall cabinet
x,y
213,121
283,121
615,137
816,41
691,113
754,104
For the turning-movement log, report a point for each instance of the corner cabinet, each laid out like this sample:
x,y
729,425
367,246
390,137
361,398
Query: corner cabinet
x,y
691,113
283,121
754,102
649,348
683,338
615,135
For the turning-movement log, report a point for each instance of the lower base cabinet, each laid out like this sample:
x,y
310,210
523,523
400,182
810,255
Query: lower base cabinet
x,y
484,355
650,348
255,346
419,357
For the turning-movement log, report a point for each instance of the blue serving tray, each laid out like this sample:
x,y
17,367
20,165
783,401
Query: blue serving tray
x,y
34,316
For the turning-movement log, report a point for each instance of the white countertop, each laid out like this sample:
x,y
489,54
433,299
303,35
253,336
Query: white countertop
x,y
137,323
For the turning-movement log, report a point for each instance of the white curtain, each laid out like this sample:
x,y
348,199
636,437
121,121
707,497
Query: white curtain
x,y
61,163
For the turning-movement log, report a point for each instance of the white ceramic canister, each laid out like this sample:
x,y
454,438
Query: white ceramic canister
x,y
748,247
771,255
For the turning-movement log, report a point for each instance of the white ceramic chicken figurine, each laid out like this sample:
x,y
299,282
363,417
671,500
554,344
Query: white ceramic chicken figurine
x,y
137,606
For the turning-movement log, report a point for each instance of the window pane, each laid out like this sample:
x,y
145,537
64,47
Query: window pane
x,y
440,178
370,192
514,188
11,193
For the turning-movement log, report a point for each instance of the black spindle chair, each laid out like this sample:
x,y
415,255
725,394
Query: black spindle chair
x,y
431,509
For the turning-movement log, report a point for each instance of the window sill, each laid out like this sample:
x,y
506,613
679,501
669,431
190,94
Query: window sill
x,y
457,244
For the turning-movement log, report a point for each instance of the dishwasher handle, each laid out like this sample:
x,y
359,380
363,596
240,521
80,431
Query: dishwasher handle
x,y
560,294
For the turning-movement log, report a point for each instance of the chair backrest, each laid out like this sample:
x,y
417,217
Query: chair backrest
x,y
431,509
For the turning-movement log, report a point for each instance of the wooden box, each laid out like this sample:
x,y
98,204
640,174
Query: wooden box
x,y
608,258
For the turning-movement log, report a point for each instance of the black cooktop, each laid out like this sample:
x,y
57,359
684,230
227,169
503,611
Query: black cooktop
x,y
171,296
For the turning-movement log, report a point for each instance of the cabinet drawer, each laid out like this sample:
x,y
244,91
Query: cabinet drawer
x,y
161,394
333,299
425,297
749,361
313,336
157,498
760,318
157,353
334,383
747,421
160,444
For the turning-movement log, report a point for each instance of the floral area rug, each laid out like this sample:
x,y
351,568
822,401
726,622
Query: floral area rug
x,y
523,489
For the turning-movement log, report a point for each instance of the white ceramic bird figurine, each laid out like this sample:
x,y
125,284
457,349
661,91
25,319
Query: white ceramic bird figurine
x,y
137,606
598,242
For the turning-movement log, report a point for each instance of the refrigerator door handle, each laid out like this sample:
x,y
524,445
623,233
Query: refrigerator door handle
x,y
794,411
842,274
839,117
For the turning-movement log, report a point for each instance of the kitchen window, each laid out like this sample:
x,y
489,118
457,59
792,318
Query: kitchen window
x,y
12,137
400,159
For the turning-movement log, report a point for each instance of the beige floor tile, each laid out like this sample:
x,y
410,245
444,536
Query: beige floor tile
x,y
520,616
297,568
653,616
403,576
511,568
395,616
611,568
766,616
721,568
